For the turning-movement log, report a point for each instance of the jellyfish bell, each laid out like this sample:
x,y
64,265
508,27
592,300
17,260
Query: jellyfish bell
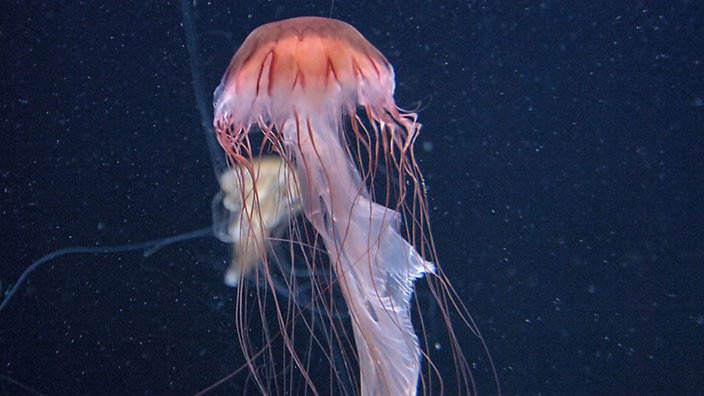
x,y
317,94
308,61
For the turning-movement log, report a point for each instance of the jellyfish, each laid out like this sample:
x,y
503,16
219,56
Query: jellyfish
x,y
325,209
316,94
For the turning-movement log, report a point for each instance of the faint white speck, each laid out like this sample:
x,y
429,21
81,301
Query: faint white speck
x,y
427,146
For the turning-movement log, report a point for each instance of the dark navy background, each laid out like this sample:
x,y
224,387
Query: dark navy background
x,y
563,148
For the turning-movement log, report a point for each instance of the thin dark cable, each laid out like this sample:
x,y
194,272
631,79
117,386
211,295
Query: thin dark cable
x,y
152,246
216,154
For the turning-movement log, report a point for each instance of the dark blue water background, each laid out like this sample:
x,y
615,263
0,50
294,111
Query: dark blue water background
x,y
563,147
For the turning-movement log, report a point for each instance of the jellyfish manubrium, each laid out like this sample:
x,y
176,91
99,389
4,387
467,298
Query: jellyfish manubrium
x,y
316,94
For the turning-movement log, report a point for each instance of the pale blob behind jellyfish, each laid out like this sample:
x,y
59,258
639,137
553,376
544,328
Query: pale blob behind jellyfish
x,y
245,214
316,94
